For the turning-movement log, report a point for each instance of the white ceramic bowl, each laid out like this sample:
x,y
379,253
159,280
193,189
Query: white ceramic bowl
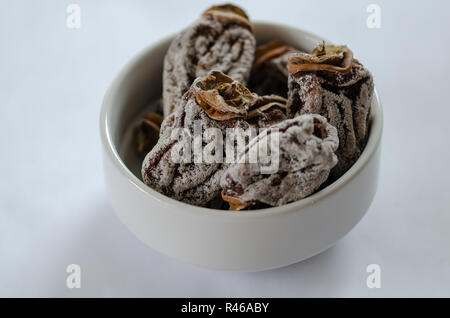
x,y
243,241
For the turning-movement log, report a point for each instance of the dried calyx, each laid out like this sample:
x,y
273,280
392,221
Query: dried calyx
x,y
265,103
325,57
228,13
223,98
268,51
235,203
147,132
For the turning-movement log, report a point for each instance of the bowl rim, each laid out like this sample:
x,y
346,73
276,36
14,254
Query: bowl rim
x,y
373,142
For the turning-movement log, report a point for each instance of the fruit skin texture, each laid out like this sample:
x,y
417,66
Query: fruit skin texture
x,y
305,151
342,93
197,183
213,101
221,39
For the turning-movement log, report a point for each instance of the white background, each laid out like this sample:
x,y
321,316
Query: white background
x,y
53,208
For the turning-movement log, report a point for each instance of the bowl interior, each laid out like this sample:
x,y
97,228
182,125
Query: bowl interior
x,y
138,87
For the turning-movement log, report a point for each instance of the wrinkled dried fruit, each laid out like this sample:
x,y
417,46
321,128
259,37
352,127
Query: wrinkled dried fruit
x,y
215,101
191,181
269,73
146,133
221,39
306,146
328,83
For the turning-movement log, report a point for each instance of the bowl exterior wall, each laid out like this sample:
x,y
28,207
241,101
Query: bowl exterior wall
x,y
236,243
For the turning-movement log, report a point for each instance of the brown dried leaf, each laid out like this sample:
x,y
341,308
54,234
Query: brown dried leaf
x,y
228,13
264,103
268,51
235,203
322,58
268,110
223,98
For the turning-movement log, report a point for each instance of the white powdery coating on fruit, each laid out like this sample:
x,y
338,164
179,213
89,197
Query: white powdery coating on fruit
x,y
305,161
208,44
332,97
194,183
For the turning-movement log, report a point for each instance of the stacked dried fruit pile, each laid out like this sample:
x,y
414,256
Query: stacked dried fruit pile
x,y
310,111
